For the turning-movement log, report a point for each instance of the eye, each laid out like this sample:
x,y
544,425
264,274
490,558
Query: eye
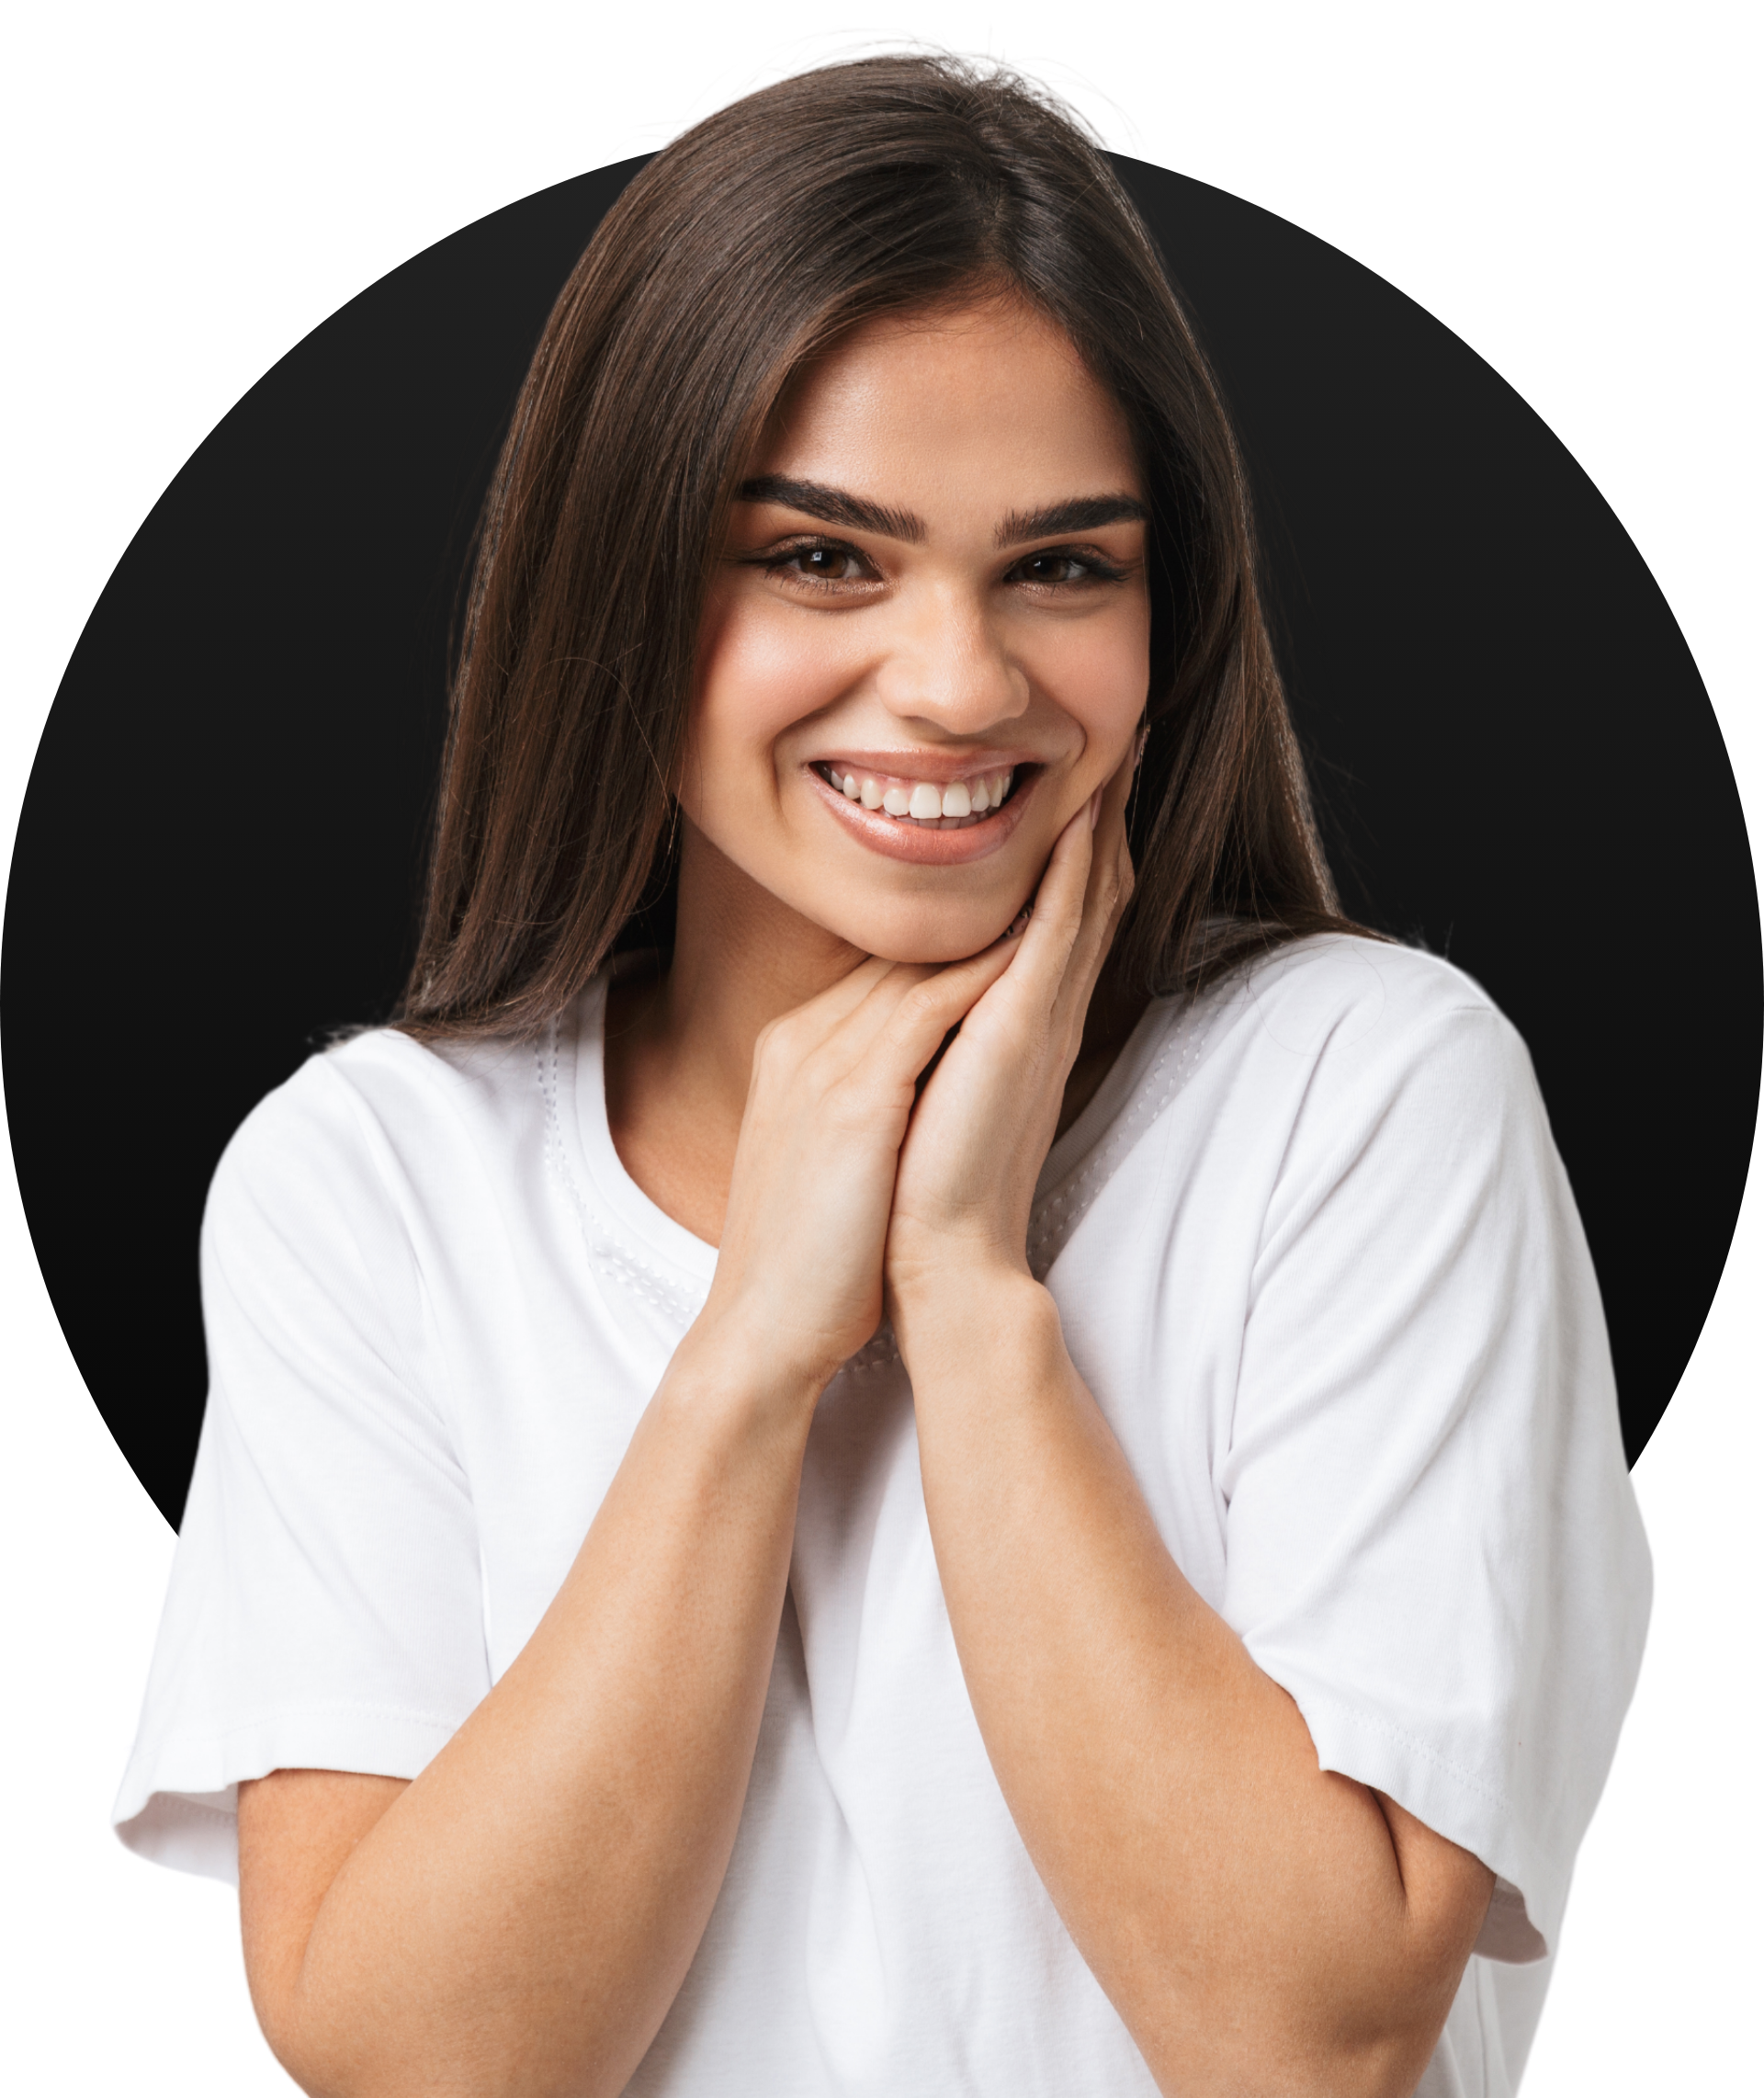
x,y
1052,568
820,562
1057,566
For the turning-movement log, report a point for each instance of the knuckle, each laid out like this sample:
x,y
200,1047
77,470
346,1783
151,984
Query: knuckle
x,y
779,1052
783,1037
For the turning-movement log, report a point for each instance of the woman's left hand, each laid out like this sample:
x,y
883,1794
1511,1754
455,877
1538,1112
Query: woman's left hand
x,y
982,1127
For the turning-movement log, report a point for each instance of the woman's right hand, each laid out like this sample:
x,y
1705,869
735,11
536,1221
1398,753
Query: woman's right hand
x,y
531,1902
799,1279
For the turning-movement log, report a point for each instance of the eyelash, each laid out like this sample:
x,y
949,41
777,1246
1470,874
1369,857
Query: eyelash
x,y
1095,568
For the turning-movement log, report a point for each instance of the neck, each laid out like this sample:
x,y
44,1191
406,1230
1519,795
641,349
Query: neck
x,y
678,1048
741,960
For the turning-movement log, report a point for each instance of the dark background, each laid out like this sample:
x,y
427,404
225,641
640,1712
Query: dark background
x,y
1572,250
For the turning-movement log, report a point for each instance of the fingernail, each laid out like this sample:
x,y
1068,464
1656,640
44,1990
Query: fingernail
x,y
1096,807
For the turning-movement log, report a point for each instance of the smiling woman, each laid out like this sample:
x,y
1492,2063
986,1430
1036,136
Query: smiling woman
x,y
974,668
999,1471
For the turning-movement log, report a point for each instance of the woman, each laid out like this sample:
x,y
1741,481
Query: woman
x,y
986,1474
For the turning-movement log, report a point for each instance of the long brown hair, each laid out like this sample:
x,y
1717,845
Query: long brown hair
x,y
749,246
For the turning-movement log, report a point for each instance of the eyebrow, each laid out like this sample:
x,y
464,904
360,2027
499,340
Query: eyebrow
x,y
833,506
840,506
1078,513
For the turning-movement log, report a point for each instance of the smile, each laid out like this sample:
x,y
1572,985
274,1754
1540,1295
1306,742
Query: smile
x,y
955,804
946,822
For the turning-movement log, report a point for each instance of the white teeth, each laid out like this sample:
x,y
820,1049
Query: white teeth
x,y
922,799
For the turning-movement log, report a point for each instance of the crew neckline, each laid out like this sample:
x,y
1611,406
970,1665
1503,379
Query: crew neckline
x,y
1071,1150
622,1201
612,1185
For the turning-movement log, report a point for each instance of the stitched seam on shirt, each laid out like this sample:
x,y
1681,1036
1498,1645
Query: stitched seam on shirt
x,y
1052,1222
181,1803
1058,1214
1361,1717
608,1247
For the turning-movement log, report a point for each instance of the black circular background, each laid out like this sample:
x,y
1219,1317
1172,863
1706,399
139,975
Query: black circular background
x,y
219,855
1567,217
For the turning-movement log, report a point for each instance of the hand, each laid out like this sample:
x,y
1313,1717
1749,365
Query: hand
x,y
798,1281
982,1128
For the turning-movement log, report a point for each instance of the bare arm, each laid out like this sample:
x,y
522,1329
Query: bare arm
x,y
518,1918
521,1916
1261,1926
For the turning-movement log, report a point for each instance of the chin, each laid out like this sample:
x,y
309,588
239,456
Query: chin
x,y
924,938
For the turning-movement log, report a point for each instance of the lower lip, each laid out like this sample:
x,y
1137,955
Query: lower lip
x,y
901,838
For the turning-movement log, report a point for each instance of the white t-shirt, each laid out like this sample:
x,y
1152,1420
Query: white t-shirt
x,y
1317,1258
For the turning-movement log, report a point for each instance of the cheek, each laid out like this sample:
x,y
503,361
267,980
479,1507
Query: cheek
x,y
1098,671
761,670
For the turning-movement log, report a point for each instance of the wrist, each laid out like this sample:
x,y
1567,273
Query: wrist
x,y
730,1363
988,1311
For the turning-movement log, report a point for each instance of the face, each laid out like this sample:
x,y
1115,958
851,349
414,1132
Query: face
x,y
927,642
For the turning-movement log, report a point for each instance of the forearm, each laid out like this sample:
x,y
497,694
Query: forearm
x,y
1248,1913
520,1918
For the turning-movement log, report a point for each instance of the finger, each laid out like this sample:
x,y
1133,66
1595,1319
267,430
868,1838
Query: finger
x,y
1108,886
925,1015
1085,923
850,991
871,996
1110,869
871,1017
861,999
1118,790
1110,825
1058,908
816,1034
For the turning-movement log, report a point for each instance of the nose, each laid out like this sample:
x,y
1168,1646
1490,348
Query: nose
x,y
947,665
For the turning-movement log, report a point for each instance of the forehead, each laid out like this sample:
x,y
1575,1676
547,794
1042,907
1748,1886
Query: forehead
x,y
980,404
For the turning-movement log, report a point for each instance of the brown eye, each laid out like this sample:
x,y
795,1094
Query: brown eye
x,y
1054,568
828,564
824,564
1061,568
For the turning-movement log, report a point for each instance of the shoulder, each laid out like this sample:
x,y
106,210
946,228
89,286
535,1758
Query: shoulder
x,y
1339,1057
1309,994
378,1119
1383,1080
1338,1015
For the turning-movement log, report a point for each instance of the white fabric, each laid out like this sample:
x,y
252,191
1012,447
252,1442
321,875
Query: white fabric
x,y
1317,1258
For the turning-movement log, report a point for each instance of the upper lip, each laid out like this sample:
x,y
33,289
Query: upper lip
x,y
939,767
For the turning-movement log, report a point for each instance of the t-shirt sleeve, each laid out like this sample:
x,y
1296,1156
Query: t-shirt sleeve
x,y
1431,1540
325,1607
